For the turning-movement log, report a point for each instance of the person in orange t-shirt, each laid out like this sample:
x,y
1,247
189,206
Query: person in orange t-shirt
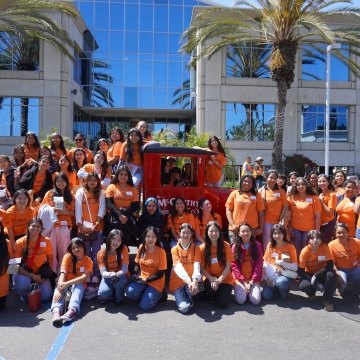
x,y
147,286
18,216
57,146
6,253
275,203
345,251
143,127
90,209
216,258
122,202
113,153
185,274
305,209
328,201
64,166
346,208
35,250
63,203
80,143
214,163
205,215
247,266
280,255
179,214
245,206
76,269
339,180
131,155
31,146
316,268
113,265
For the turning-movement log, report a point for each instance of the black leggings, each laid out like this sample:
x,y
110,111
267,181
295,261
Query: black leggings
x,y
329,282
2,302
221,296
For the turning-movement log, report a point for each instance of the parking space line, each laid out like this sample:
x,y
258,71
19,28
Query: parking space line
x,y
59,342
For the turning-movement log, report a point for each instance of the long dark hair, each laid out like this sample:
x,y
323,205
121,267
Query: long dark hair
x,y
36,143
238,253
75,165
220,250
115,180
220,147
61,145
69,167
4,253
330,185
280,228
173,211
130,146
201,212
118,130
97,189
253,187
67,193
105,165
268,173
18,193
26,249
19,162
309,188
111,235
143,237
98,144
334,181
78,242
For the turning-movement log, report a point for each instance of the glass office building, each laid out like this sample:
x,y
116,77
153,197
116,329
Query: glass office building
x,y
136,70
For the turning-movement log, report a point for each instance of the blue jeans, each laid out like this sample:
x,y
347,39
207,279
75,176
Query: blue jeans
x,y
113,288
77,292
282,285
92,248
357,233
148,296
300,240
183,299
350,276
22,285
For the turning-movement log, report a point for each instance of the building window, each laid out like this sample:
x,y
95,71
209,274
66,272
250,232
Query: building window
x,y
248,61
18,116
18,53
249,122
313,123
314,64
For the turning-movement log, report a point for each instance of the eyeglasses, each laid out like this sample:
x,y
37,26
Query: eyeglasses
x,y
79,140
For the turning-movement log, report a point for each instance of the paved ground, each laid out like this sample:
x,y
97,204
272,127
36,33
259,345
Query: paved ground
x,y
295,329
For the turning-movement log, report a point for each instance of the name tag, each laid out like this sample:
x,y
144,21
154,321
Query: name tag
x,y
63,223
321,258
214,260
82,269
252,197
277,194
211,162
309,200
129,193
43,244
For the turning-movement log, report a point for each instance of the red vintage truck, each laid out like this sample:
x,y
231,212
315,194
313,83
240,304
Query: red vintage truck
x,y
155,156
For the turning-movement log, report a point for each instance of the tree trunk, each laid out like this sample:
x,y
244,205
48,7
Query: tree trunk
x,y
277,160
24,116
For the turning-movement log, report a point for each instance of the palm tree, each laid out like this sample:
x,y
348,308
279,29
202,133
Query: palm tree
x,y
284,24
100,94
28,18
182,95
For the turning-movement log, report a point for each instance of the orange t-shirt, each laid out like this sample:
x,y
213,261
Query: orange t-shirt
x,y
330,201
2,216
93,206
18,221
41,255
345,256
246,266
215,268
122,198
274,253
31,153
312,261
150,264
88,154
57,154
201,225
114,150
346,214
187,259
213,173
39,181
48,199
112,264
178,221
71,177
4,279
136,153
245,208
85,266
303,211
275,201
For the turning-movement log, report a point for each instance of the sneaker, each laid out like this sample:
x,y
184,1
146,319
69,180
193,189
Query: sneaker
x,y
329,307
56,318
69,315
